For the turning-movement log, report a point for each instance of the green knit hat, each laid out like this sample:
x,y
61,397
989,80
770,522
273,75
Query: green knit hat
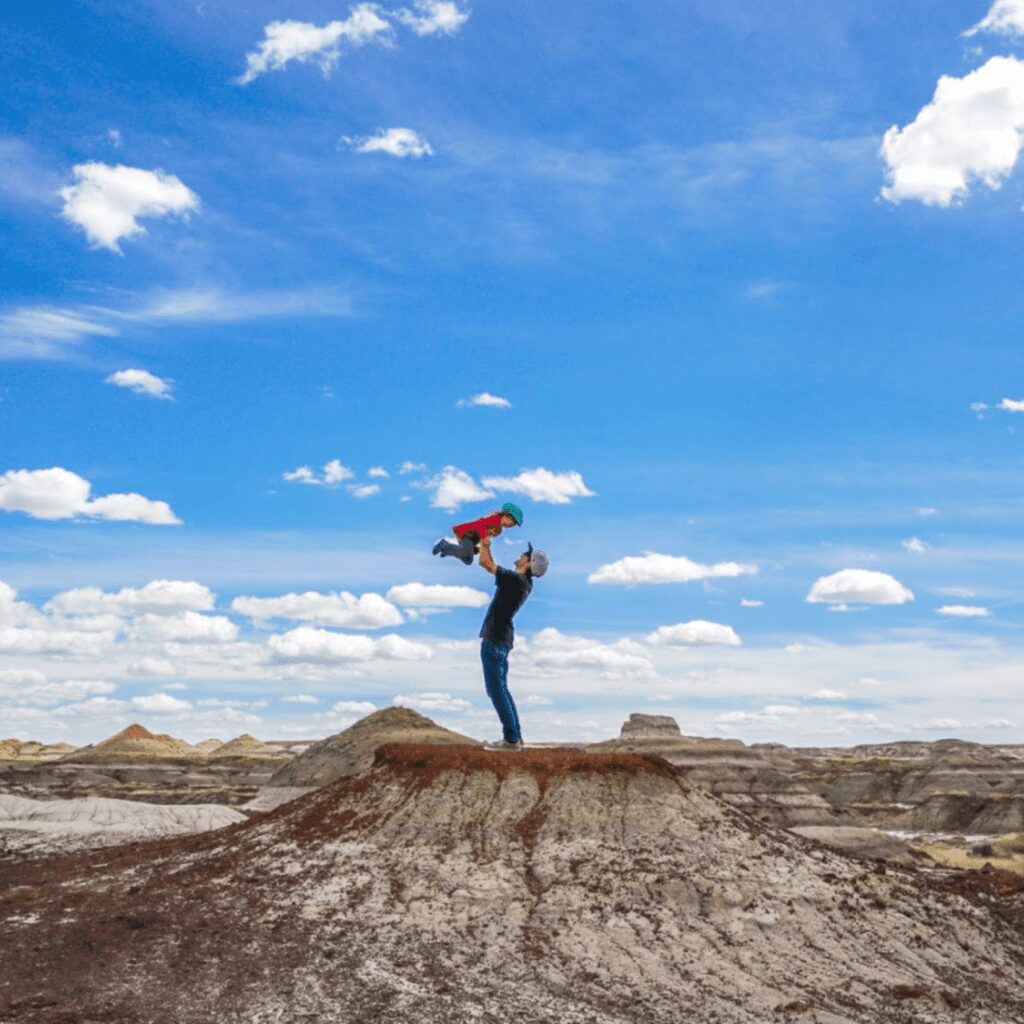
x,y
514,511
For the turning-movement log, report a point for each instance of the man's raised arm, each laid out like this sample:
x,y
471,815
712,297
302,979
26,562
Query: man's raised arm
x,y
486,561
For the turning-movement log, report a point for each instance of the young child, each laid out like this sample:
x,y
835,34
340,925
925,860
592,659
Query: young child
x,y
469,534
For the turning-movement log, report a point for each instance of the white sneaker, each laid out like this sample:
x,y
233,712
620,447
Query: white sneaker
x,y
504,745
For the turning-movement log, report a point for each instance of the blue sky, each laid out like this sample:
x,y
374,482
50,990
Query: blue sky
x,y
736,330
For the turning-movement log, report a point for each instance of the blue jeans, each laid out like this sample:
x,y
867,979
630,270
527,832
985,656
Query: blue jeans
x,y
495,661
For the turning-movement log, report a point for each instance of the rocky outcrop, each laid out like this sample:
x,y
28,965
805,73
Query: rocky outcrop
x,y
133,742
731,770
248,746
642,726
351,752
48,826
32,751
449,883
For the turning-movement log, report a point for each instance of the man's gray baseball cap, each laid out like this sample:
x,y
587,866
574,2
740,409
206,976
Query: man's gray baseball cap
x,y
538,561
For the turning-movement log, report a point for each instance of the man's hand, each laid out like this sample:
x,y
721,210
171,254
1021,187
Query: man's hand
x,y
486,560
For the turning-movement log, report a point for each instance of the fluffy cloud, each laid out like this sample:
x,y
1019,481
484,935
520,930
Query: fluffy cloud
x,y
436,595
432,702
827,695
453,487
60,494
141,382
368,611
1005,17
486,399
320,646
364,490
411,467
73,643
161,704
301,41
970,132
353,707
552,650
400,142
964,611
186,628
161,597
654,568
106,202
697,633
1012,405
32,687
153,667
542,485
300,698
379,471
859,586
432,17
746,602
333,473
93,707
915,546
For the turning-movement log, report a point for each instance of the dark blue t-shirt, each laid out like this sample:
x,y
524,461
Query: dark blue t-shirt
x,y
511,590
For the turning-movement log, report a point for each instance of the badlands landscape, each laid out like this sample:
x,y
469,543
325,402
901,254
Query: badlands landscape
x,y
399,872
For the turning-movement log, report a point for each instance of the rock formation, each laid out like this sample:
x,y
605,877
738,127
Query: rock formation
x,y
248,746
44,826
350,752
133,742
729,769
454,884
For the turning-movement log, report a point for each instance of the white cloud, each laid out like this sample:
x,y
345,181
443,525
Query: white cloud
x,y
746,602
58,493
41,332
333,473
300,698
106,201
161,597
542,485
320,646
859,586
979,407
964,611
75,643
552,650
185,627
400,142
927,510
94,706
697,633
436,595
1012,405
368,611
153,667
827,695
431,17
970,132
353,707
654,568
915,545
454,487
432,702
411,467
301,41
161,704
379,471
763,289
536,700
1005,17
485,398
142,382
364,490
32,687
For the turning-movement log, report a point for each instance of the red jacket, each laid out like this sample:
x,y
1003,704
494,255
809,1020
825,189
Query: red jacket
x,y
481,527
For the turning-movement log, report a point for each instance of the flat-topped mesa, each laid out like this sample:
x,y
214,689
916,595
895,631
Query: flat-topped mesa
x,y
643,726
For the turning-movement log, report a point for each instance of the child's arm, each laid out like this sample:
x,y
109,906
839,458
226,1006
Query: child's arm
x,y
486,560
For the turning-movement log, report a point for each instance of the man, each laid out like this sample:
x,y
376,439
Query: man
x,y
498,634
